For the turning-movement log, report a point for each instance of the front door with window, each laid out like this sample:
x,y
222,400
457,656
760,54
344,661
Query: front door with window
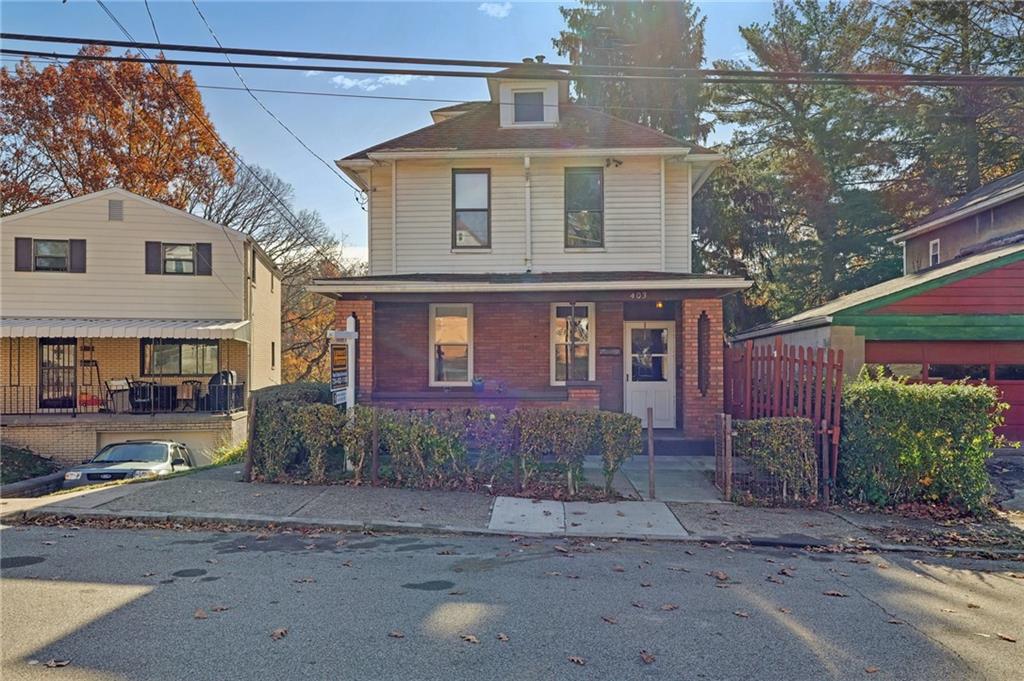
x,y
650,371
56,373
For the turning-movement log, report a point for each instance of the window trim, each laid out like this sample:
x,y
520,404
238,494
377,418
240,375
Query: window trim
x,y
934,253
568,170
67,255
144,370
543,104
591,343
432,382
165,245
455,209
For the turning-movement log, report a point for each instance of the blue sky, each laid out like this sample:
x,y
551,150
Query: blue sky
x,y
334,126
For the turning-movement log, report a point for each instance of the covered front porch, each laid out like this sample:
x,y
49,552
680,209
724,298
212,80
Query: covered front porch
x,y
578,341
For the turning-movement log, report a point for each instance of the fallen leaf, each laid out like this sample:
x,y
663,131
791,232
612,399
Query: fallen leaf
x,y
837,594
646,656
396,633
554,573
53,664
199,614
148,574
219,608
50,543
785,610
668,607
719,575
609,619
470,638
212,561
561,549
618,568
278,634
502,637
860,560
871,670
576,659
895,621
446,552
974,606
787,572
304,580
1006,638
948,610
346,563
456,593
677,568
645,584
775,580
638,604
742,613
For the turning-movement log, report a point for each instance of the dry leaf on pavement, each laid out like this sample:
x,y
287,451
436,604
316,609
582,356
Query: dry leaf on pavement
x,y
304,580
719,575
53,664
742,613
669,607
837,594
502,637
645,583
278,634
561,549
872,670
1009,639
219,608
199,614
470,638
396,633
618,568
785,611
775,580
787,572
346,563
638,604
646,656
609,619
576,659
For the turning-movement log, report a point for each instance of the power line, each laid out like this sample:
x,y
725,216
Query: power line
x,y
152,22
294,221
270,113
544,71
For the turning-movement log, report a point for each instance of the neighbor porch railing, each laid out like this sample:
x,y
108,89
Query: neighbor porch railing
x,y
144,396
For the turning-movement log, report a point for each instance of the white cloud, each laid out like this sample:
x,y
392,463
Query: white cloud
x,y
309,74
498,10
371,84
355,253
288,58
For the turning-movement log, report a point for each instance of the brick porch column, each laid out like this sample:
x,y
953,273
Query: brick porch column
x,y
700,407
363,311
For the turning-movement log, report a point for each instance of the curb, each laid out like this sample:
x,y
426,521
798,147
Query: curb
x,y
296,522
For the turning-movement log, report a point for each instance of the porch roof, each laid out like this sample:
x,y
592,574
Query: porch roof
x,y
525,282
65,327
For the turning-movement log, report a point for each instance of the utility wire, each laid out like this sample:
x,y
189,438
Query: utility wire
x,y
152,22
284,210
546,73
557,71
330,167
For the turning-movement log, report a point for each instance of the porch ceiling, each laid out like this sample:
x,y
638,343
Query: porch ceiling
x,y
64,327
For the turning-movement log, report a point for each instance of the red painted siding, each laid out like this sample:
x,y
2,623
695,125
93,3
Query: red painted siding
x,y
999,291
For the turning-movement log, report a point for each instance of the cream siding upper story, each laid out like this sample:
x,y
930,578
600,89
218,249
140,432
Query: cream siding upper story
x,y
636,197
265,332
115,284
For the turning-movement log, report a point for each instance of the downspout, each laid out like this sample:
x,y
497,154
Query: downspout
x,y
528,216
664,257
394,216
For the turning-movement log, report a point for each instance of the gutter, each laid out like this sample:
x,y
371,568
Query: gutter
x,y
342,287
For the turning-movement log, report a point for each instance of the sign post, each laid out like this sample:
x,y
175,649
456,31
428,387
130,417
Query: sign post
x,y
343,353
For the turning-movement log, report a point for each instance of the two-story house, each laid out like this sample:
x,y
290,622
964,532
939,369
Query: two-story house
x,y
958,311
124,318
528,251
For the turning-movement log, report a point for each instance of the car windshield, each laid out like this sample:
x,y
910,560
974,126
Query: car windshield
x,y
133,451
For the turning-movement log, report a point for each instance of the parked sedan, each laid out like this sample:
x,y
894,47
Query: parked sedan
x,y
132,459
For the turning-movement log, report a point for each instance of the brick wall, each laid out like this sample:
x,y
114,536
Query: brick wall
x,y
610,368
698,411
363,310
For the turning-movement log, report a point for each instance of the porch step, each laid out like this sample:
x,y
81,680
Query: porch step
x,y
674,443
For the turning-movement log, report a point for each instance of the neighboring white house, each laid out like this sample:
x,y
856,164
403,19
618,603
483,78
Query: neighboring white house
x,y
126,318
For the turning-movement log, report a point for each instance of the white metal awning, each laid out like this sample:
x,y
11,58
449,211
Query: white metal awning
x,y
64,327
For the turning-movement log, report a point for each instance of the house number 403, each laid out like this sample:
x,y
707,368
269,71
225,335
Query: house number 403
x,y
638,295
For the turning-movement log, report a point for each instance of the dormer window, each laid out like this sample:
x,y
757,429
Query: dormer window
x,y
529,107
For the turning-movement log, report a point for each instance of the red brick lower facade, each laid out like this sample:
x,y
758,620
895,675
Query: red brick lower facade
x,y
512,354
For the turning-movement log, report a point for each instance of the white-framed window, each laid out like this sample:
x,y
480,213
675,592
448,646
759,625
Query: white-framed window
x,y
179,258
934,257
572,342
451,344
528,106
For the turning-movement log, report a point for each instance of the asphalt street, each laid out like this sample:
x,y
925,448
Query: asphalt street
x,y
166,604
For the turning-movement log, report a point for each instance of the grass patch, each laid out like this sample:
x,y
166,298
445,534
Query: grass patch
x,y
18,463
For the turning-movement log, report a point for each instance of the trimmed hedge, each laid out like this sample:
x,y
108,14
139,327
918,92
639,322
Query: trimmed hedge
x,y
298,436
781,455
918,442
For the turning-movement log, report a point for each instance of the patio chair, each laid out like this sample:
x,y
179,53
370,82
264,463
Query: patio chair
x,y
140,396
117,401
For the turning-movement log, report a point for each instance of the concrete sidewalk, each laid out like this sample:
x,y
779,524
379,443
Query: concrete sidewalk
x,y
218,496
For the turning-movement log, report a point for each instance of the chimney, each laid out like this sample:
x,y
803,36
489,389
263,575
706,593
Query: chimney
x,y
539,58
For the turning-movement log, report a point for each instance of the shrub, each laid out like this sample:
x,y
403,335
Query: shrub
x,y
781,454
317,429
918,442
227,454
310,392
621,439
19,463
295,427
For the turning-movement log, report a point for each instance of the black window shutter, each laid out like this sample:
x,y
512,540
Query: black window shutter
x,y
22,254
153,257
77,252
204,259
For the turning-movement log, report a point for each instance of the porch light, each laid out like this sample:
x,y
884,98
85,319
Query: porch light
x,y
659,304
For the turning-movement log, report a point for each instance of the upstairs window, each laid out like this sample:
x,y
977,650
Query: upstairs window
x,y
179,258
50,255
584,207
934,257
451,344
572,342
529,107
471,209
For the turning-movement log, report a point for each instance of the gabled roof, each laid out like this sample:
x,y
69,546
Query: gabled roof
x,y
900,287
983,198
579,127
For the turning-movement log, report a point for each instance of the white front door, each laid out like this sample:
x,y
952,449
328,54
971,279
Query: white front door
x,y
650,366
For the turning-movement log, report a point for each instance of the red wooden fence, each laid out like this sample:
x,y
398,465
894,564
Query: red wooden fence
x,y
787,380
